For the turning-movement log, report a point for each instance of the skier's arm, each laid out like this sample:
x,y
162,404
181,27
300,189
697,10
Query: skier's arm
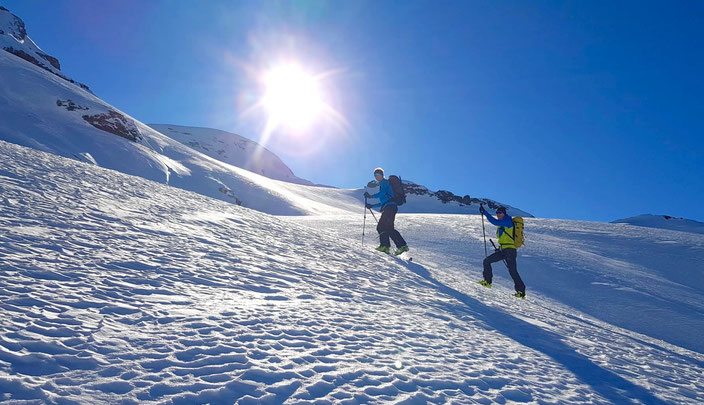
x,y
382,190
507,222
491,219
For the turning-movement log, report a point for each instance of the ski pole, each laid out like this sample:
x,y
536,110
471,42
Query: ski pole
x,y
365,218
498,249
370,210
484,233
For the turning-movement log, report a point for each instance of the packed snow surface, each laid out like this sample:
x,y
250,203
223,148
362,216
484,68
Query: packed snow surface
x,y
118,289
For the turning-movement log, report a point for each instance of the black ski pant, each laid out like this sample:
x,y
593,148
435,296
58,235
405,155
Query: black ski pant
x,y
509,255
386,227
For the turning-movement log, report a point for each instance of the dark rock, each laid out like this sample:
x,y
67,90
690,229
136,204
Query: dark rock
x,y
413,188
447,196
115,123
24,55
230,194
31,59
52,60
70,105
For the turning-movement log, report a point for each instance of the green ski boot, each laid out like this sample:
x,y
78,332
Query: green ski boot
x,y
402,249
383,249
484,283
520,294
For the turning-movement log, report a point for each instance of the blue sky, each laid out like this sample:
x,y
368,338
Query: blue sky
x,y
580,110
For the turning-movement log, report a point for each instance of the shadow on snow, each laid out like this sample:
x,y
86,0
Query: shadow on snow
x,y
610,385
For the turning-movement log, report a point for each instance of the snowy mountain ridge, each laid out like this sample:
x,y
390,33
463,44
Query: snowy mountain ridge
x,y
42,110
664,222
14,39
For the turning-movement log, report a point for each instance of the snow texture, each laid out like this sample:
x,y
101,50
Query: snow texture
x,y
116,289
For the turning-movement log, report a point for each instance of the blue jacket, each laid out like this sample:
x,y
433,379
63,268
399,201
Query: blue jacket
x,y
384,195
507,222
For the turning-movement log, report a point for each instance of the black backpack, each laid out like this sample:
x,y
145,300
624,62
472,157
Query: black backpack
x,y
399,196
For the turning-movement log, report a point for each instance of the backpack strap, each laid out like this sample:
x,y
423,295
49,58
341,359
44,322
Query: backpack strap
x,y
513,238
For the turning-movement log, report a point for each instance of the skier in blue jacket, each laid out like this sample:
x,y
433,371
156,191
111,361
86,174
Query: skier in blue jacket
x,y
388,208
506,250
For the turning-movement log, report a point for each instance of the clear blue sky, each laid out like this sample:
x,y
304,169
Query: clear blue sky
x,y
583,110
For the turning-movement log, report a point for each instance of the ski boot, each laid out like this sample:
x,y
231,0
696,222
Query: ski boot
x,y
484,283
402,249
383,249
520,294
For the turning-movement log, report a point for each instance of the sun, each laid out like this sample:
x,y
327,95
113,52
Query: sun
x,y
292,97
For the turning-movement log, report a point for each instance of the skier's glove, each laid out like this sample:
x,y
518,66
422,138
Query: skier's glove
x,y
481,209
367,195
368,206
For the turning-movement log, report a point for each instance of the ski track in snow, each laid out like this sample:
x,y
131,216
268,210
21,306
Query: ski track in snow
x,y
118,289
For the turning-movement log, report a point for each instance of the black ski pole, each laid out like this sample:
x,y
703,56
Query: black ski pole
x,y
364,224
484,231
498,249
370,210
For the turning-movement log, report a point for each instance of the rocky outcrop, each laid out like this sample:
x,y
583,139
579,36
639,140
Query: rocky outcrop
x,y
230,194
24,55
52,60
14,39
31,59
447,197
442,195
115,123
70,105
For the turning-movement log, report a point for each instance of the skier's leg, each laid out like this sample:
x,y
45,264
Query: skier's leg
x,y
395,235
398,239
383,227
492,258
513,270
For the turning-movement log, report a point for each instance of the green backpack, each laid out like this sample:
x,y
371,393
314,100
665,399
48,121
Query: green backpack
x,y
518,238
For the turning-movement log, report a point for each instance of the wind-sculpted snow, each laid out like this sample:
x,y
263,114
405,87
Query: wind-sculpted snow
x,y
115,289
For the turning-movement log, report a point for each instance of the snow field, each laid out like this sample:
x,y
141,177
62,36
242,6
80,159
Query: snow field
x,y
117,289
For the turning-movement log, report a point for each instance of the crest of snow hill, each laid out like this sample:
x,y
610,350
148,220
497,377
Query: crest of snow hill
x,y
664,222
59,115
232,149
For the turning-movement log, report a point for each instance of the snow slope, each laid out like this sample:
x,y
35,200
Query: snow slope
x,y
232,149
44,112
117,289
664,222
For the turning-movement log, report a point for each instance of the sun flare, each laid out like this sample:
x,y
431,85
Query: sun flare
x,y
292,97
